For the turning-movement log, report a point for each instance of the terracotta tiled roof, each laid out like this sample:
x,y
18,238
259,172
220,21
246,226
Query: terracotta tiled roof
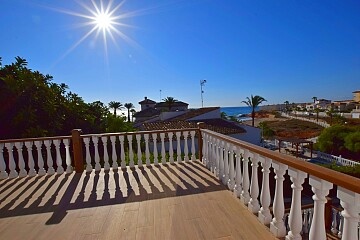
x,y
193,113
217,125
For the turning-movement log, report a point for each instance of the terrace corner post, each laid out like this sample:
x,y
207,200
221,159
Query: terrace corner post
x,y
77,150
200,143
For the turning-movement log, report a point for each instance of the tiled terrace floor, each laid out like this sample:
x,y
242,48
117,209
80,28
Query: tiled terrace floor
x,y
179,201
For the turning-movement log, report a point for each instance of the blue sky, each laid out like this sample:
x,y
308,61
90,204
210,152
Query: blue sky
x,y
283,50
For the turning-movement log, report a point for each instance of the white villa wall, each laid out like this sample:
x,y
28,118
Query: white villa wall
x,y
209,115
252,135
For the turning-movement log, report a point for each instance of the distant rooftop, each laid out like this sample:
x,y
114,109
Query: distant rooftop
x,y
147,101
193,113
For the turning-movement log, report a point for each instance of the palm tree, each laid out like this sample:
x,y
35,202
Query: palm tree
x,y
286,106
170,101
330,112
129,106
115,105
314,98
253,102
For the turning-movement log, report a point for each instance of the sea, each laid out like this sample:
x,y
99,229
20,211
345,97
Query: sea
x,y
238,112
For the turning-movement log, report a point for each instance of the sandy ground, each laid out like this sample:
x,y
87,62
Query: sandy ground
x,y
259,120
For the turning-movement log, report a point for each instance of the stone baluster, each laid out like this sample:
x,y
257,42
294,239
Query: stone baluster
x,y
3,173
104,140
209,162
186,149
264,214
163,154
113,150
225,178
334,222
12,166
238,175
208,152
131,153
21,162
204,150
49,159
59,162
193,153
122,152
245,196
40,159
69,168
231,182
253,204
212,155
217,161
95,140
320,188
139,153
350,201
277,225
88,157
295,218
31,163
155,151
171,150
221,163
147,151
178,147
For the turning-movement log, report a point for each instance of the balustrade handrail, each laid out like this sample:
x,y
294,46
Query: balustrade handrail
x,y
139,132
338,178
34,139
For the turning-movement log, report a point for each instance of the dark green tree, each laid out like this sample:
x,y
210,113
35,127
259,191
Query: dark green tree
x,y
115,105
170,102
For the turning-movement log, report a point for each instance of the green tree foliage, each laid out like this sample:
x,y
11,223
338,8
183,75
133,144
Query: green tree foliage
x,y
266,131
253,102
34,106
170,102
115,105
340,140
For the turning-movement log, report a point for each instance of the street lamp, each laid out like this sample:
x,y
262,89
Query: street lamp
x,y
202,83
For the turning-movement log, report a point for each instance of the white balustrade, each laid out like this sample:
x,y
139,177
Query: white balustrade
x,y
334,222
114,155
277,226
104,140
238,175
12,166
245,196
49,160
295,218
171,149
163,154
217,160
350,201
147,151
231,182
3,173
221,159
253,204
225,178
139,153
131,153
21,162
178,147
40,159
69,168
59,162
95,140
320,188
193,152
122,152
31,163
186,149
264,214
155,151
87,156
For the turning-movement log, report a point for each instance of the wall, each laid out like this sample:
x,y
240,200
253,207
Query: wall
x,y
252,135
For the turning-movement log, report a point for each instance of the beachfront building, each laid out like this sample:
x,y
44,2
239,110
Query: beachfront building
x,y
357,96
